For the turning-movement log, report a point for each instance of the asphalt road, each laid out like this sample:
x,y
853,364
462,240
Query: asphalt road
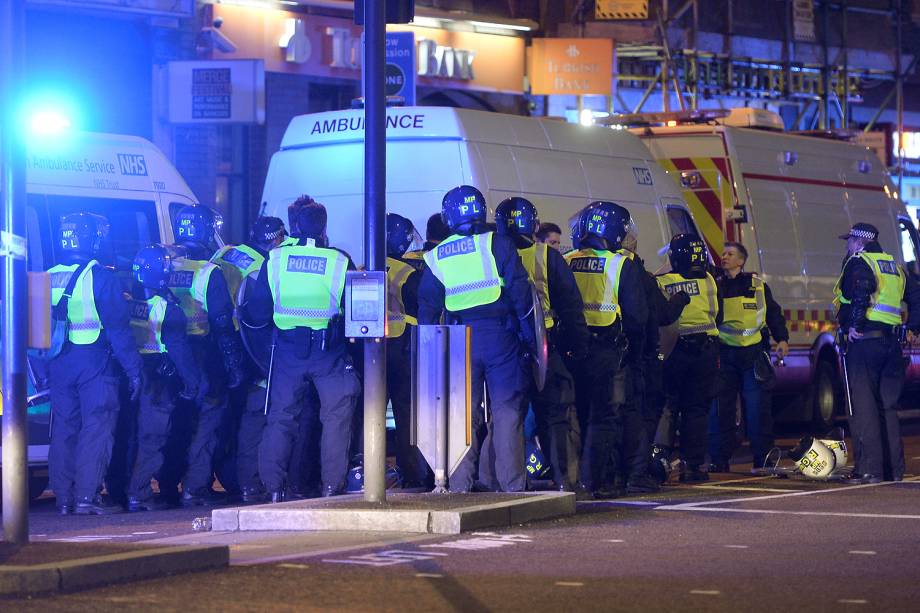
x,y
741,543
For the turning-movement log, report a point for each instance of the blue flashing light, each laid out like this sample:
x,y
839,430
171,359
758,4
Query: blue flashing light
x,y
46,122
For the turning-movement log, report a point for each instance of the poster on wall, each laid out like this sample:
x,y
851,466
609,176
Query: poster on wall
x,y
571,66
216,91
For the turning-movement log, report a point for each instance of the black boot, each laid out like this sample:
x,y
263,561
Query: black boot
x,y
203,497
97,505
152,503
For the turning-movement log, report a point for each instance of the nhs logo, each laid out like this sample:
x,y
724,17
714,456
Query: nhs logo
x,y
132,164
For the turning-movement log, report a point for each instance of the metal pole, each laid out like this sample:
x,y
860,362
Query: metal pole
x,y
844,77
826,68
14,289
899,88
375,115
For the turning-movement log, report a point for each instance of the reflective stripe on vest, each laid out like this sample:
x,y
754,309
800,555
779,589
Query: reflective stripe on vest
x,y
597,274
189,282
236,263
885,303
85,324
535,260
397,274
467,269
307,283
147,324
744,317
700,315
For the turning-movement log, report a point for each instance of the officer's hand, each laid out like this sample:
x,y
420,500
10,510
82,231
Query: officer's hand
x,y
853,335
136,385
782,349
681,297
235,376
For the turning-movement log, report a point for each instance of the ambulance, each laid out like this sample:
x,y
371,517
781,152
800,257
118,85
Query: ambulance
x,y
787,197
560,167
126,179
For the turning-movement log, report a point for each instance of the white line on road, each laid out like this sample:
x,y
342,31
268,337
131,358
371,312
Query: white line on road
x,y
742,488
636,503
857,552
852,601
744,480
143,533
736,546
428,575
780,512
569,583
706,592
615,541
297,566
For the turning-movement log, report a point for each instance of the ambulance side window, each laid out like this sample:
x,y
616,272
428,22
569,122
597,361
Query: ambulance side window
x,y
680,221
37,236
910,247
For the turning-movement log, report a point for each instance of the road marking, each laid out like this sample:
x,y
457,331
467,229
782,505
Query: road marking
x,y
390,557
143,533
482,540
428,575
297,566
706,592
857,552
615,541
736,546
636,503
852,601
744,480
331,550
569,583
780,512
743,488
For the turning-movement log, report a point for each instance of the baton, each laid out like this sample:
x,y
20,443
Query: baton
x,y
271,364
842,346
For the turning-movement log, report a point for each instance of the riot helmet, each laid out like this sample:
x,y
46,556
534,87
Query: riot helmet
x,y
687,254
81,235
608,221
400,235
463,208
152,267
308,219
813,459
517,215
196,224
266,232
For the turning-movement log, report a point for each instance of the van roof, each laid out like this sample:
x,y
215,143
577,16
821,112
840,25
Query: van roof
x,y
447,123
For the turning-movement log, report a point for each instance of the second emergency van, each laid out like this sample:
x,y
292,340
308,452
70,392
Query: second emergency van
x,y
560,167
787,197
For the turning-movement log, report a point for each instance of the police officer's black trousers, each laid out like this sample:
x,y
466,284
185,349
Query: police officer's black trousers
x,y
736,376
690,378
157,403
252,424
84,409
337,386
875,368
414,469
551,410
497,361
635,450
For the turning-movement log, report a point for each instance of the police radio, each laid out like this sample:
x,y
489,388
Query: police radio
x,y
365,304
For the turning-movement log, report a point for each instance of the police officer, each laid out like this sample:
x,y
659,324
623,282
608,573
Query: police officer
x,y
205,301
869,294
478,279
555,284
690,371
300,288
402,309
750,317
615,310
238,456
159,330
83,376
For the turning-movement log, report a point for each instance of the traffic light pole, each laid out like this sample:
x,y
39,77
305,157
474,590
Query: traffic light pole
x,y
375,392
13,323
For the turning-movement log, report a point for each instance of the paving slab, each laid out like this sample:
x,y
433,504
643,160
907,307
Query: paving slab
x,y
402,512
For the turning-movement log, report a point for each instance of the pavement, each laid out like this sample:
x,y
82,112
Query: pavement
x,y
738,542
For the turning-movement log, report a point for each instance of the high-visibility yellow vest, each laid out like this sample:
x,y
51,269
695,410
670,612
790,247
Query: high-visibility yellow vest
x,y
288,241
885,302
397,274
535,260
744,317
700,315
189,283
85,324
307,283
597,274
467,269
236,263
147,318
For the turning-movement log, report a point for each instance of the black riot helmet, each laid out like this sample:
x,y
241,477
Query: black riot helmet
x,y
81,235
266,232
608,221
195,224
400,235
577,225
687,253
308,219
517,215
152,267
463,208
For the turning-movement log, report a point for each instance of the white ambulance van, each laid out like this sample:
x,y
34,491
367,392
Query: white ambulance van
x,y
561,167
787,197
126,179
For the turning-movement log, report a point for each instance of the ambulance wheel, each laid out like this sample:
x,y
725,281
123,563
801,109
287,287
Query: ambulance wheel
x,y
825,404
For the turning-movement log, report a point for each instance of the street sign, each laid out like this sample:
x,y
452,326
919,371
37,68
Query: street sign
x,y
621,9
400,69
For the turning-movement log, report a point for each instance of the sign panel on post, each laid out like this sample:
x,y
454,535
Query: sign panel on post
x,y
400,69
579,66
217,91
621,9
